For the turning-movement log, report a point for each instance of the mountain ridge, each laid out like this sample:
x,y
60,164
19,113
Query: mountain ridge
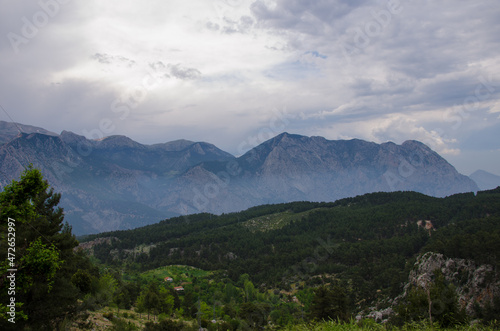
x,y
9,130
117,183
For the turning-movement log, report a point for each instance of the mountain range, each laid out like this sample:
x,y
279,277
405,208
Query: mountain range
x,y
117,183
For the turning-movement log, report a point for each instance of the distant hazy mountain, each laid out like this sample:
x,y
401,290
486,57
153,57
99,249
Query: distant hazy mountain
x,y
117,183
485,180
111,184
9,130
293,168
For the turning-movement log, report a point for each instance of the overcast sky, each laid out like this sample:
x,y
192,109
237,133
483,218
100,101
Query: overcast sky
x,y
237,72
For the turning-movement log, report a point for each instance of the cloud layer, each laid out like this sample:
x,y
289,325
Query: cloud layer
x,y
234,71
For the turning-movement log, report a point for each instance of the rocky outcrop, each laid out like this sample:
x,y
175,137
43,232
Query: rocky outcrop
x,y
89,245
475,284
427,225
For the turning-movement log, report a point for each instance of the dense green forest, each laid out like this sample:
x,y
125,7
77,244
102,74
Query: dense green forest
x,y
298,265
368,239
362,248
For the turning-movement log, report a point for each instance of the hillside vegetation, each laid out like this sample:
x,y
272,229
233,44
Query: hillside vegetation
x,y
381,260
357,252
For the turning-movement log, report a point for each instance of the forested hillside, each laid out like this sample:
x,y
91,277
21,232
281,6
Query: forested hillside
x,y
363,260
366,245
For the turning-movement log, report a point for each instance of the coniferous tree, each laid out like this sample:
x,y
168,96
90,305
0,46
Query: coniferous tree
x,y
44,257
330,303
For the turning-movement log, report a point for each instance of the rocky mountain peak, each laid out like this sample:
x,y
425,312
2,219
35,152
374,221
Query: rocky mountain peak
x,y
417,145
174,146
71,138
118,141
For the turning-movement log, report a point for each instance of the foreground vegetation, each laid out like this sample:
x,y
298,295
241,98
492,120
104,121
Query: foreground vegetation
x,y
370,325
294,266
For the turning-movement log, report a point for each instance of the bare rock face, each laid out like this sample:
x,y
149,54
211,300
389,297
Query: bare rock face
x,y
474,283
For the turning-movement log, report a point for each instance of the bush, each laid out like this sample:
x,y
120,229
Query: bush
x,y
108,315
122,325
164,325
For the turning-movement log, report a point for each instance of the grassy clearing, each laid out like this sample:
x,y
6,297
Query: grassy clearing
x,y
180,273
275,221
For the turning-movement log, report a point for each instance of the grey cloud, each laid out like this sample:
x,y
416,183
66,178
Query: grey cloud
x,y
175,70
181,72
302,16
110,59
158,66
102,58
242,26
230,26
212,26
484,140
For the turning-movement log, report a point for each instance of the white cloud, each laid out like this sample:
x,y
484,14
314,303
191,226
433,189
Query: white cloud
x,y
220,66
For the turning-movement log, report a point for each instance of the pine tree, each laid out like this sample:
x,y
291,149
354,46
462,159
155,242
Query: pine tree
x,y
330,303
44,259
